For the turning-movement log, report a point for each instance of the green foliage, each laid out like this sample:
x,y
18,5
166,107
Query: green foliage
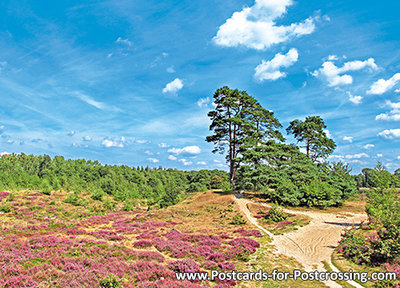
x,y
110,282
123,183
311,131
6,208
75,199
238,220
286,193
320,194
239,122
128,207
276,214
217,182
109,204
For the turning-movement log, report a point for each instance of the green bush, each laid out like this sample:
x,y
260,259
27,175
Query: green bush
x,y
5,208
110,282
276,214
98,195
320,194
75,199
238,220
285,194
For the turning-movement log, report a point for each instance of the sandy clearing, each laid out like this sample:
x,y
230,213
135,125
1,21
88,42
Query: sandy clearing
x,y
312,244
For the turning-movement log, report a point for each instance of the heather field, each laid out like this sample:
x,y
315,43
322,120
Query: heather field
x,y
46,242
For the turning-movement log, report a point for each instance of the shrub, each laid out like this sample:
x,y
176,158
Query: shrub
x,y
276,214
5,208
238,220
320,194
98,195
74,199
286,193
110,282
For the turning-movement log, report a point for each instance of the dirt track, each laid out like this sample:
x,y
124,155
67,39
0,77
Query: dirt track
x,y
313,243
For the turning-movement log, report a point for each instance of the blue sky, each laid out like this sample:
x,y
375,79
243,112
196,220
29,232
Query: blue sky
x,y
131,82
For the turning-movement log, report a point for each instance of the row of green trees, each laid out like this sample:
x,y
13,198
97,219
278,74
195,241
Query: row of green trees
x,y
163,186
377,177
259,159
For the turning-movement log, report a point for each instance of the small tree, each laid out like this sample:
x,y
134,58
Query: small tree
x,y
311,132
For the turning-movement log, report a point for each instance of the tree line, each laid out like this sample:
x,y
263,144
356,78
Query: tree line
x,y
158,186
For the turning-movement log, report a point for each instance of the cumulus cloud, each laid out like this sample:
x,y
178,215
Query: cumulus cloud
x,y
4,153
163,145
354,99
255,27
270,70
71,133
203,102
87,138
357,156
368,146
153,160
201,163
333,57
328,133
390,133
140,141
393,115
172,157
379,155
348,138
119,142
185,150
173,86
335,76
148,152
185,162
381,86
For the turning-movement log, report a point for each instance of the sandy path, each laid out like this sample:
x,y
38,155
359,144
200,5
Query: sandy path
x,y
313,243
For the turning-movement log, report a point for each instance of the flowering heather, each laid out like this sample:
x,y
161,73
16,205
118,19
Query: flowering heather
x,y
284,223
4,194
244,232
186,265
44,244
141,244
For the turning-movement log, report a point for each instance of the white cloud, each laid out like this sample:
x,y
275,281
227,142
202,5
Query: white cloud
x,y
148,152
1,127
254,27
389,117
142,141
123,41
354,99
398,157
393,115
328,133
171,69
4,153
333,58
172,157
379,155
114,142
368,146
185,150
381,86
153,160
397,91
87,138
185,162
92,102
340,157
201,163
390,133
163,145
173,86
72,133
335,75
357,156
269,70
203,102
348,138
